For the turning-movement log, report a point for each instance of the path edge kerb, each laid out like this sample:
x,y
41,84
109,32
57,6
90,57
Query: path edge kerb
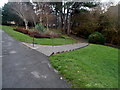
x,y
69,50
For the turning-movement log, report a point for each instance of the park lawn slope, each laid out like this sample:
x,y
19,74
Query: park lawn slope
x,y
43,41
94,66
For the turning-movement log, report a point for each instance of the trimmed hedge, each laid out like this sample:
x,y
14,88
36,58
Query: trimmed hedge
x,y
96,38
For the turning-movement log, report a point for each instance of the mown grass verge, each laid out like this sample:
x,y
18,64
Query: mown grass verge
x,y
43,41
94,66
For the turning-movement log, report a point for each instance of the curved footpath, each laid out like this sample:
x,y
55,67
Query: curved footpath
x,y
49,50
26,68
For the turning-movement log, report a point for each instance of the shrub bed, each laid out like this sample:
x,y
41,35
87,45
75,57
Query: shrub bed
x,y
37,34
22,30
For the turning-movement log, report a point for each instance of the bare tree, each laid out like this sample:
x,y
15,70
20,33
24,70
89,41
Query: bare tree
x,y
21,9
44,12
32,14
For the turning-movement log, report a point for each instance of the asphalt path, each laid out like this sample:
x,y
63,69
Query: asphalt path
x,y
23,67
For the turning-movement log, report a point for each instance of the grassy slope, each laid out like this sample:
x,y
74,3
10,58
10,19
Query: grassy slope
x,y
44,41
94,66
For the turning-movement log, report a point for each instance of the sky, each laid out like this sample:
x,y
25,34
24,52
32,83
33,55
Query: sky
x,y
5,1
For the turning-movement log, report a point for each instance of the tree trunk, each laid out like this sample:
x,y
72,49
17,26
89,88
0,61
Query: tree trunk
x,y
40,20
67,20
64,17
47,23
34,21
64,27
69,25
60,19
26,24
56,19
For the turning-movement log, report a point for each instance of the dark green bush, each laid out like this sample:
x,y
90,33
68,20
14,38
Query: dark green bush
x,y
96,38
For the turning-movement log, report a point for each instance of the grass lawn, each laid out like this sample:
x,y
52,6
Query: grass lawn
x,y
94,66
43,41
